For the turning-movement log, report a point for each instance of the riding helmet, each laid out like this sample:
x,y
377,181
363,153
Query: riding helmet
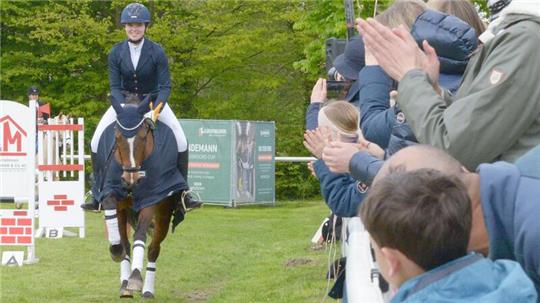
x,y
33,91
135,13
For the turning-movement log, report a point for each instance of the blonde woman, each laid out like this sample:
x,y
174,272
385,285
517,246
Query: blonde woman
x,y
335,121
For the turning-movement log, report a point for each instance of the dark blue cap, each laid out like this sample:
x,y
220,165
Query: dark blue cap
x,y
352,60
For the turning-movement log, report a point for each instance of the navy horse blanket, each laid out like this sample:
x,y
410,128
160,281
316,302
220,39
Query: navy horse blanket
x,y
162,175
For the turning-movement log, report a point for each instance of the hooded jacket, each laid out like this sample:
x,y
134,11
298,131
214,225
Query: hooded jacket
x,y
495,115
510,203
471,278
454,41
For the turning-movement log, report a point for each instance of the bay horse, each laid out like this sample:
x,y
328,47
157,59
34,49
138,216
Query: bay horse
x,y
142,187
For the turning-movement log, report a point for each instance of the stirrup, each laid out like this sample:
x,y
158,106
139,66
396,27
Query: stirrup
x,y
183,198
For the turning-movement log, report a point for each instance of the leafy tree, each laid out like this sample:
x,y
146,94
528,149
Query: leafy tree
x,y
228,59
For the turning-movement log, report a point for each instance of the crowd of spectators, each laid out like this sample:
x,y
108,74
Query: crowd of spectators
x,y
437,148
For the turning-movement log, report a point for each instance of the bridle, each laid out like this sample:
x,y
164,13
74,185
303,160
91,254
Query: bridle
x,y
136,169
149,127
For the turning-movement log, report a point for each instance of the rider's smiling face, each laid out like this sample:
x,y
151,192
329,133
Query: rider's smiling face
x,y
135,31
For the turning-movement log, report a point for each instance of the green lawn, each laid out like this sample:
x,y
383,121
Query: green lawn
x,y
216,255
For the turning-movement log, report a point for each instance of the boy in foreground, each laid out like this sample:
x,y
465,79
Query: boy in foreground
x,y
420,224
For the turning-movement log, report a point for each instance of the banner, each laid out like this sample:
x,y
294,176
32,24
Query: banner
x,y
231,162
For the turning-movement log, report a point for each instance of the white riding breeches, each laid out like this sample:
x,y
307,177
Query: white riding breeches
x,y
166,116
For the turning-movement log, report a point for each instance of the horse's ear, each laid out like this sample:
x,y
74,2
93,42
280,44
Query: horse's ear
x,y
116,105
143,108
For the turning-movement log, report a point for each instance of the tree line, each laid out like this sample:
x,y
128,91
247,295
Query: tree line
x,y
245,60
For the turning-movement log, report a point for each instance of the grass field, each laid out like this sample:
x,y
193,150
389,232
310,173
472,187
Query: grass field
x,y
248,254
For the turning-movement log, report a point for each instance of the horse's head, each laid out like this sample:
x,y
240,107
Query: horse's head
x,y
134,141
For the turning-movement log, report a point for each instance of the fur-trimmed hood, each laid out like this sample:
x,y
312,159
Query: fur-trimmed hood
x,y
516,7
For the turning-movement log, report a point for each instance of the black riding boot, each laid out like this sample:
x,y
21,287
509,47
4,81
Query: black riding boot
x,y
91,203
187,201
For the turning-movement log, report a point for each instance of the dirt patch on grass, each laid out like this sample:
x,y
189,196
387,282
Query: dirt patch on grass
x,y
297,262
196,296
317,247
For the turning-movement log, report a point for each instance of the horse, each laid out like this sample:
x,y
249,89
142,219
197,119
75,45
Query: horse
x,y
130,166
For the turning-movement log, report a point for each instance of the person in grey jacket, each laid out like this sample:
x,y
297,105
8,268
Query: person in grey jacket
x,y
504,204
495,115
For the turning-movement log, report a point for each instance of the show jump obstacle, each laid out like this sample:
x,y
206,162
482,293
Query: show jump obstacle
x,y
57,174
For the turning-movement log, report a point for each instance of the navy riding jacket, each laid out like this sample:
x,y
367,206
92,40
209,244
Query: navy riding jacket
x,y
151,76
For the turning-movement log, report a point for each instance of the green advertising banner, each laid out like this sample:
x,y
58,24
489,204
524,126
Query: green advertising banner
x,y
231,162
264,162
210,167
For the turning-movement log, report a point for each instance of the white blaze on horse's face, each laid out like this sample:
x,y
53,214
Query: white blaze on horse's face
x,y
132,159
131,151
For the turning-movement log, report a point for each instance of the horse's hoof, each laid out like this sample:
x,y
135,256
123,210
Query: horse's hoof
x,y
148,295
117,252
135,282
124,292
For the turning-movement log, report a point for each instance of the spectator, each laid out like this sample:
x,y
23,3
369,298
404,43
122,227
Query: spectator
x,y
338,120
376,117
347,66
496,112
454,38
504,202
420,225
43,110
463,9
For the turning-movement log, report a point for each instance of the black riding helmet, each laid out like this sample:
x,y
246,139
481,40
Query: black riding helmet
x,y
135,13
33,91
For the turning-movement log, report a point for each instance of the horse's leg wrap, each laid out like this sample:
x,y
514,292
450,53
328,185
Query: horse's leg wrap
x,y
149,280
138,255
125,269
135,282
111,220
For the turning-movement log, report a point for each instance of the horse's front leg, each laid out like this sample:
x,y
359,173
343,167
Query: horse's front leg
x,y
111,220
125,265
139,242
162,220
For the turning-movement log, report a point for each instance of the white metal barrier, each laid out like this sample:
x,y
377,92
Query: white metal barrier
x,y
17,178
361,283
61,176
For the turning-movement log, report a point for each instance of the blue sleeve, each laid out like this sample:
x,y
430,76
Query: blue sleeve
x,y
529,164
312,116
164,77
376,116
115,78
364,167
342,194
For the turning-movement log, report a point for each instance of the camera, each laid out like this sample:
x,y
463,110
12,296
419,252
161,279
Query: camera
x,y
334,47
335,89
